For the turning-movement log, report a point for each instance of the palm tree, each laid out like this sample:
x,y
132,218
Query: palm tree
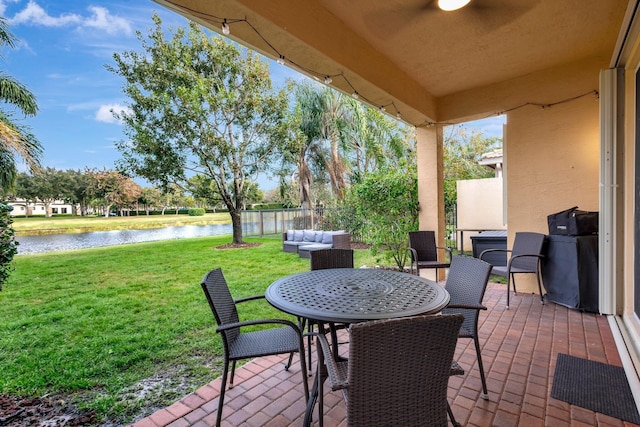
x,y
305,138
15,139
336,138
376,141
336,118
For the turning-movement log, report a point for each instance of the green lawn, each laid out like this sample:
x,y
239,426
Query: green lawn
x,y
78,224
91,325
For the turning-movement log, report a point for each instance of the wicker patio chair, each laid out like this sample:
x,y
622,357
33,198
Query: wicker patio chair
x,y
331,258
466,284
238,345
323,259
397,372
525,258
424,252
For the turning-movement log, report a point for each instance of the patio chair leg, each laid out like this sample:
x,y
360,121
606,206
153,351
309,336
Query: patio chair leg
x,y
303,368
225,371
286,367
485,393
309,341
540,289
302,324
508,289
320,400
233,372
451,417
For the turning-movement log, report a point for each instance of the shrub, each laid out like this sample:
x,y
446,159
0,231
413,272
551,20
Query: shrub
x,y
386,210
265,206
196,212
8,244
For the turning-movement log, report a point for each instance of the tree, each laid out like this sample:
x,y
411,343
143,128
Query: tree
x,y
284,194
378,141
254,194
113,188
8,244
76,184
203,189
462,152
303,133
15,139
333,138
26,188
199,105
172,196
150,197
336,115
386,207
49,186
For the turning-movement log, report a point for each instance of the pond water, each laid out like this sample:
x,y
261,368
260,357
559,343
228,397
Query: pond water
x,y
67,242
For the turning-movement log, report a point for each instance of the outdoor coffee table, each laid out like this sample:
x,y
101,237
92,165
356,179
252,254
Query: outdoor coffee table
x,y
350,295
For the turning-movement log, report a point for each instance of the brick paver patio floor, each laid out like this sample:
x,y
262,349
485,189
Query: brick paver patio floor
x,y
519,350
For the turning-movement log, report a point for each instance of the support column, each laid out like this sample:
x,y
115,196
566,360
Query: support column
x,y
431,182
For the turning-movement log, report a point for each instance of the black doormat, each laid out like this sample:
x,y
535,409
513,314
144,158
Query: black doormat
x,y
596,386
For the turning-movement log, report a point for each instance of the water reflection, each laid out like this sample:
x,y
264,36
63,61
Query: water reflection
x,y
67,242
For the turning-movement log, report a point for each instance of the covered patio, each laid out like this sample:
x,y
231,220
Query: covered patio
x,y
519,349
566,76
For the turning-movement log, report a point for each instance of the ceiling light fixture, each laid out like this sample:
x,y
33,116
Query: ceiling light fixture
x,y
225,28
280,60
327,80
449,5
355,94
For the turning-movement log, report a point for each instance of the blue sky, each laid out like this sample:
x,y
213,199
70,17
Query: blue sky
x,y
61,56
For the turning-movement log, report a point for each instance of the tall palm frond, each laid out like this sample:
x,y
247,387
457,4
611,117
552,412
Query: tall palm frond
x,y
15,139
14,92
20,140
8,171
6,36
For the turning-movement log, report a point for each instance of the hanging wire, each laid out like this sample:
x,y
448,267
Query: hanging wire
x,y
328,78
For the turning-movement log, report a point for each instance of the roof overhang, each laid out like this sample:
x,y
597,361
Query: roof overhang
x,y
429,65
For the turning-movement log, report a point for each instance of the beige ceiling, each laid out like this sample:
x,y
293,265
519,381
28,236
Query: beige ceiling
x,y
421,59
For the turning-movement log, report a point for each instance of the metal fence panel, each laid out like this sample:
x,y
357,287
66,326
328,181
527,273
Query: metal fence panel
x,y
277,221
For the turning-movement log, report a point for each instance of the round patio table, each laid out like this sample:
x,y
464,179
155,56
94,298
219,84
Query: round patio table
x,y
350,295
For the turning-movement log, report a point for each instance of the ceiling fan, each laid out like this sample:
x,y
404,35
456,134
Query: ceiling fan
x,y
488,14
449,5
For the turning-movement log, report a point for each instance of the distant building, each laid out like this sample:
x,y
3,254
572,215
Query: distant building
x,y
21,208
493,159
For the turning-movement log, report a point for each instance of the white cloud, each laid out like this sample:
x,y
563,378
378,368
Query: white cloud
x,y
35,15
3,6
98,19
104,113
103,20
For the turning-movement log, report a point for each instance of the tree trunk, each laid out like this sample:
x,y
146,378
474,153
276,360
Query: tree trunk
x,y
236,224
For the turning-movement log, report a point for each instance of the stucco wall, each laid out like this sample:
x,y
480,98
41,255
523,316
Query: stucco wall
x,y
430,181
431,187
552,158
479,206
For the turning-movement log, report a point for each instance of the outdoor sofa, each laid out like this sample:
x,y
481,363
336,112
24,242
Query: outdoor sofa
x,y
305,241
